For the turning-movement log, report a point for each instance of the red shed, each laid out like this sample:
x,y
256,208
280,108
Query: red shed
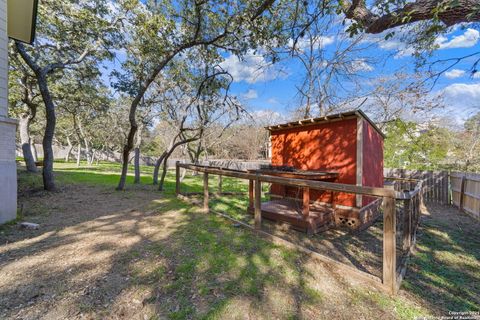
x,y
349,145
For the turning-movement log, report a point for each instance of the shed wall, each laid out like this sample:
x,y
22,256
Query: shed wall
x,y
372,173
329,146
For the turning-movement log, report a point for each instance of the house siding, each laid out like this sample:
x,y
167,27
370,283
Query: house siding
x,y
8,169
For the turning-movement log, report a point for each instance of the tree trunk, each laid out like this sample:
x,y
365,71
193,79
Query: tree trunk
x,y
41,75
69,150
34,149
48,178
129,145
164,173
79,154
92,159
137,165
138,143
24,125
88,156
157,167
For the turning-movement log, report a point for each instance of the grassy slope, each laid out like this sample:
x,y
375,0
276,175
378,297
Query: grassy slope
x,y
445,266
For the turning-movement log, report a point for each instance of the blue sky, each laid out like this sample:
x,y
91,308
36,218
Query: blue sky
x,y
274,88
262,86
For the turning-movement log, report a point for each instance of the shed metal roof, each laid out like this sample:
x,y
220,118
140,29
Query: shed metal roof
x,y
328,118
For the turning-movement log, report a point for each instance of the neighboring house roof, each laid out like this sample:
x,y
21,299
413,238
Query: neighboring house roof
x,y
329,118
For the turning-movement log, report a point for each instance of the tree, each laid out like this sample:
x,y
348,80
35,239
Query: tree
x,y
70,34
384,15
199,99
23,97
332,75
413,146
162,31
401,96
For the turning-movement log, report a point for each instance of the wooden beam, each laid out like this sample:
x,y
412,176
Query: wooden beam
x,y
462,192
407,223
205,192
359,163
250,193
316,185
389,245
258,204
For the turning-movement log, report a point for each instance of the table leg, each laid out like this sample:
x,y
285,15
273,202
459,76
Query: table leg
x,y
306,202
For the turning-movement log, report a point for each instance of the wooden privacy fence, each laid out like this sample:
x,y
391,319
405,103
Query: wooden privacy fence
x,y
435,183
392,272
465,188
461,189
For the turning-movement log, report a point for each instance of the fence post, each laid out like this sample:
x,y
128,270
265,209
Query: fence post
x,y
258,203
389,245
177,178
462,192
447,183
250,193
407,222
205,192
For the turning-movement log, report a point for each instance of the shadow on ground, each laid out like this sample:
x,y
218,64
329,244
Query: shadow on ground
x,y
140,254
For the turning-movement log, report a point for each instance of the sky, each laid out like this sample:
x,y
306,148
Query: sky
x,y
274,87
263,87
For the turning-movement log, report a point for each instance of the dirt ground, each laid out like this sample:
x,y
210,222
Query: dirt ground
x,y
137,255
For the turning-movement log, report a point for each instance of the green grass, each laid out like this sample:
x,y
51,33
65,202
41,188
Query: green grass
x,y
214,262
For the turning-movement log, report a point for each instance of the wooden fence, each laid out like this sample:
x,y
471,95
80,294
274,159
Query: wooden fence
x,y
392,270
460,189
465,190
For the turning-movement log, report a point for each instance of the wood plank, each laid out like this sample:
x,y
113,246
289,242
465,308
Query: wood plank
x,y
389,245
250,193
462,191
407,223
316,185
306,202
258,204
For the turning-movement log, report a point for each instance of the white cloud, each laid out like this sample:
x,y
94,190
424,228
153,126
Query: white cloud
x,y
250,94
319,42
272,101
360,65
267,117
466,40
462,96
397,43
253,68
463,90
454,73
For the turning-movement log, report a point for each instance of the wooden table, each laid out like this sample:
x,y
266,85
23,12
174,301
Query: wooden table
x,y
296,174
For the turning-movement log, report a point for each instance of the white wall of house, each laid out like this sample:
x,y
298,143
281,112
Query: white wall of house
x,y
8,169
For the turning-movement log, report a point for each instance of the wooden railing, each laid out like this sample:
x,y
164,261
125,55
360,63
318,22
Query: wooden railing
x,y
391,279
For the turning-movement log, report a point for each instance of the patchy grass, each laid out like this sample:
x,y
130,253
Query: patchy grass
x,y
145,254
447,262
